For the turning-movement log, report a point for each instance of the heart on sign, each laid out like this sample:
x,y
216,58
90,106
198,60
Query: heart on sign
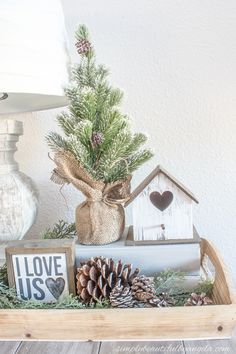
x,y
55,287
161,201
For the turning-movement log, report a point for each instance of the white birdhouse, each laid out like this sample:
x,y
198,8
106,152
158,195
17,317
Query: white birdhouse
x,y
162,210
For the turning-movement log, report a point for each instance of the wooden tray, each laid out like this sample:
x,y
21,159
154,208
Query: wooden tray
x,y
215,321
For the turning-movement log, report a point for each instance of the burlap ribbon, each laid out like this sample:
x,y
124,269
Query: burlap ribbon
x,y
100,219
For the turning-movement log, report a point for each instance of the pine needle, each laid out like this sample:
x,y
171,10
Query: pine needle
x,y
94,108
165,282
61,229
3,274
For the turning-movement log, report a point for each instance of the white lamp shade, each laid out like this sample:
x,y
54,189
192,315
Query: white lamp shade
x,y
33,55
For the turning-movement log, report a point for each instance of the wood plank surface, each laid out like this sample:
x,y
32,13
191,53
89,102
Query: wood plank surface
x,y
224,346
175,347
9,347
210,322
58,348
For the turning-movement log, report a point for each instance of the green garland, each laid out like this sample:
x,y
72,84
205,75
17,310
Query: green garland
x,y
163,281
3,275
9,299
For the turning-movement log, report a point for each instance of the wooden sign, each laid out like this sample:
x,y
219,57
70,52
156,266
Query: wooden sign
x,y
41,270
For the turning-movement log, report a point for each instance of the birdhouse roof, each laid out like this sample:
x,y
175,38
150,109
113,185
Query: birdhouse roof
x,y
159,169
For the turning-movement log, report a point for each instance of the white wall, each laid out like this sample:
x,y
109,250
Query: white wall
x,y
176,62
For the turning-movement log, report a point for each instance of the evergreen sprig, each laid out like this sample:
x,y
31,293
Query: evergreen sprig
x,y
61,229
93,109
9,300
165,282
3,274
8,297
205,286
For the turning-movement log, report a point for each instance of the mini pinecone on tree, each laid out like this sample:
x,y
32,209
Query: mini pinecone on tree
x,y
143,290
98,276
83,46
198,300
97,139
121,296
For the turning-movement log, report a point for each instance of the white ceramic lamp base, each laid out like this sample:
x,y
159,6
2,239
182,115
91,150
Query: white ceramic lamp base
x,y
18,195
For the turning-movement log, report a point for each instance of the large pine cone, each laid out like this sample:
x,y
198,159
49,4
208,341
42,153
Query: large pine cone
x,y
143,290
121,296
198,300
98,276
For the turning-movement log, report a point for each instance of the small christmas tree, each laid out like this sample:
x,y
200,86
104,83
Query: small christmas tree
x,y
98,153
97,133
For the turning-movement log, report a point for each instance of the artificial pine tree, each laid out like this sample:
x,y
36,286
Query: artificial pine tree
x,y
99,147
97,133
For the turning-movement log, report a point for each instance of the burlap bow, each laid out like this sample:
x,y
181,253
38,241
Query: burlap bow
x,y
101,218
68,170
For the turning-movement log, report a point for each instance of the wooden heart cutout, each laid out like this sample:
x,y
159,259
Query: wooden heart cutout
x,y
55,287
161,201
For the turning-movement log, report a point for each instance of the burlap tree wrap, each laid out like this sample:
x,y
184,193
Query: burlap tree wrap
x,y
101,218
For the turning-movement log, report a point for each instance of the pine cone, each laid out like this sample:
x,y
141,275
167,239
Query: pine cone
x,y
165,300
121,296
198,300
143,290
83,46
98,276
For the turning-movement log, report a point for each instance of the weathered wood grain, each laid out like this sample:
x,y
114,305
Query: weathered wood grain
x,y
223,290
173,223
58,348
216,321
209,346
151,176
174,347
130,241
9,347
119,324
